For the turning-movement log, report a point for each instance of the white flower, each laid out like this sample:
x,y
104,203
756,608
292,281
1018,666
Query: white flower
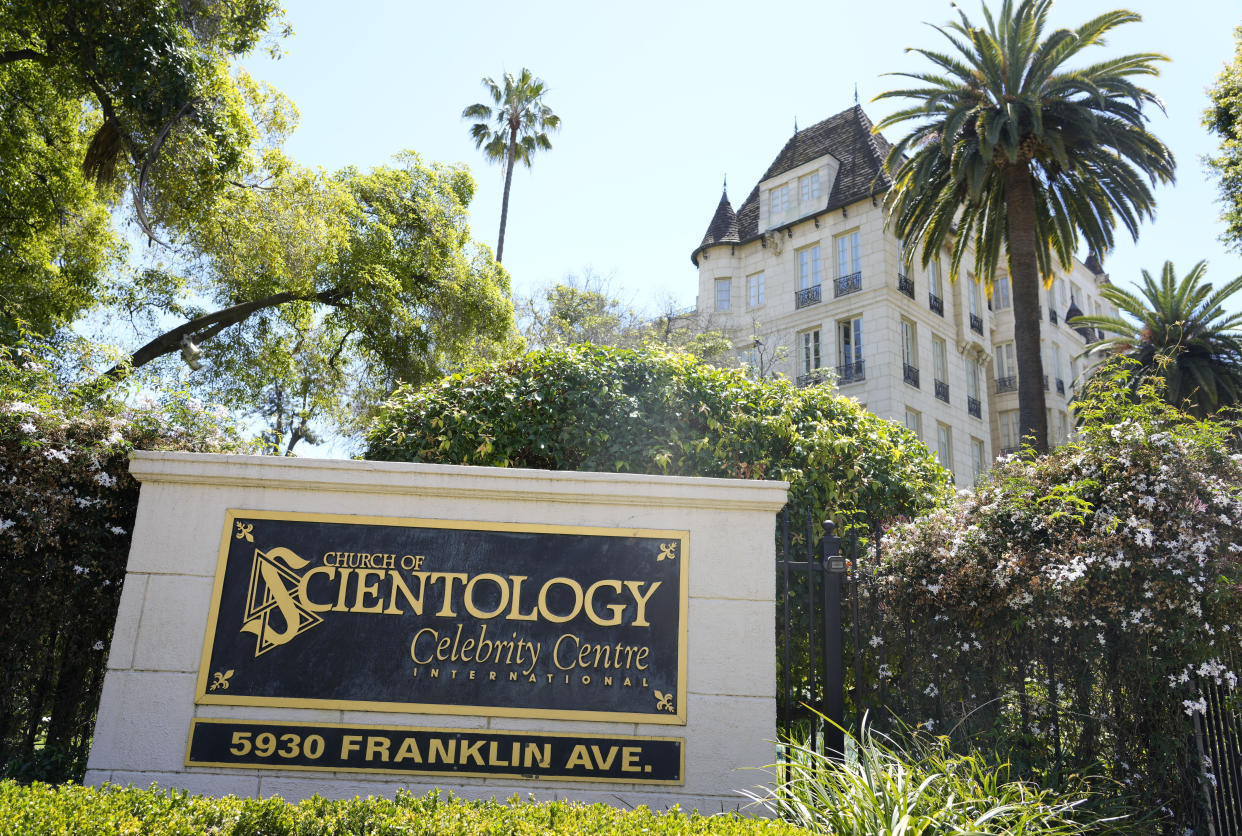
x,y
116,529
57,455
5,525
876,641
105,479
21,406
80,570
931,690
1192,706
28,428
930,723
114,438
97,646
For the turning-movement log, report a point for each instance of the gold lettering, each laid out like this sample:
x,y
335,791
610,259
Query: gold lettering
x,y
640,620
534,755
468,596
341,590
493,755
556,653
629,759
399,584
543,600
579,757
408,751
603,762
616,609
446,611
446,753
377,747
514,614
330,571
471,750
414,646
350,743
364,589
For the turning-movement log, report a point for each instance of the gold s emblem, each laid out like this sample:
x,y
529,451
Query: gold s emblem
x,y
668,551
272,613
664,702
243,531
220,681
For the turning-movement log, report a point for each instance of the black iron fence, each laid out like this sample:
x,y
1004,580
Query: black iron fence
x,y
1218,743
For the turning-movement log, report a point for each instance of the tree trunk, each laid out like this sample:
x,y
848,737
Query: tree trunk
x,y
504,203
1024,271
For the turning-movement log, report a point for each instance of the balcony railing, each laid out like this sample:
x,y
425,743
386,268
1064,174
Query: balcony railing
x,y
849,284
1060,386
807,296
935,303
942,390
910,374
974,407
811,378
851,373
1006,384
1009,451
1052,316
976,324
905,285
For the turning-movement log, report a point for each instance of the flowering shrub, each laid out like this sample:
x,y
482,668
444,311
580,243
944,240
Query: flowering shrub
x,y
67,505
1075,605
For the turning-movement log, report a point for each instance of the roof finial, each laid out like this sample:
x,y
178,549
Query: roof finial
x,y
725,188
795,125
855,94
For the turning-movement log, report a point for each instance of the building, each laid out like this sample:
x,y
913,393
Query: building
x,y
808,281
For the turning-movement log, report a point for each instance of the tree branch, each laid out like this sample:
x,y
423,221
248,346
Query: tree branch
x,y
208,325
9,56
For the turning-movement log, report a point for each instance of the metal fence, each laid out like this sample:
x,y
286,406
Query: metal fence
x,y
1218,741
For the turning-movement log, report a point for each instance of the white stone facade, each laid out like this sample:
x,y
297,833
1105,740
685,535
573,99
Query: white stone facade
x,y
862,279
149,689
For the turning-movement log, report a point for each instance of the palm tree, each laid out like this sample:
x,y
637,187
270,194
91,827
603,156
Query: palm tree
x,y
522,122
1013,151
1181,333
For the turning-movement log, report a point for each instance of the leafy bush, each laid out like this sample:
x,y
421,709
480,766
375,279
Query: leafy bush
x,y
920,786
1071,610
67,505
593,408
41,810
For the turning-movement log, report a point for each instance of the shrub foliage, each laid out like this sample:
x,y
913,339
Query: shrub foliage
x,y
40,810
1072,609
593,408
67,505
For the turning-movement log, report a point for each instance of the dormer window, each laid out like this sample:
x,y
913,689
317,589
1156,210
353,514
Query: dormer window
x,y
778,201
808,187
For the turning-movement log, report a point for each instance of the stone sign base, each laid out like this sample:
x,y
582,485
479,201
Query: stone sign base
x,y
175,715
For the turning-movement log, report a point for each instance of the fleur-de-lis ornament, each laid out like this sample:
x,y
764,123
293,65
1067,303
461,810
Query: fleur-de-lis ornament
x,y
243,531
668,551
664,702
220,681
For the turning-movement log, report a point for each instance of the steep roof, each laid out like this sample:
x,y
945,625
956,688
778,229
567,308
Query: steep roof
x,y
846,136
723,228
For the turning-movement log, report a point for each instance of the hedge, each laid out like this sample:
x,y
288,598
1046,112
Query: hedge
x,y
69,809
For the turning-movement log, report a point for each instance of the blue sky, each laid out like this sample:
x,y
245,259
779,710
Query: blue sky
x,y
661,100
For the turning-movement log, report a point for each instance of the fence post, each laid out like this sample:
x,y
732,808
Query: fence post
x,y
834,673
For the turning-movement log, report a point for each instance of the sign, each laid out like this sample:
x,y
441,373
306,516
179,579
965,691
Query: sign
x,y
461,752
435,616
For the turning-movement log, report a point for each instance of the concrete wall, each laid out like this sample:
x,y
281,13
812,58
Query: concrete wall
x,y
149,689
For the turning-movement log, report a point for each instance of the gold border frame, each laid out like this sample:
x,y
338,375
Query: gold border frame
x,y
202,697
681,769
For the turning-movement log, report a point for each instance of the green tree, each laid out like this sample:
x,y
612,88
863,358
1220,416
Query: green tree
x,y
1178,331
96,96
1012,150
1224,118
522,122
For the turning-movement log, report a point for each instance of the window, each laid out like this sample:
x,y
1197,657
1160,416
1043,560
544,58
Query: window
x,y
973,293
909,344
1062,427
1061,300
1009,430
972,379
914,421
810,351
849,254
722,294
809,271
933,279
940,359
749,357
1001,294
978,458
1056,362
1073,381
1052,301
850,341
808,187
778,201
944,445
754,290
1005,364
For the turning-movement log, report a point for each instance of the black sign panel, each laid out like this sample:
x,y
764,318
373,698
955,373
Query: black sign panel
x,y
313,610
463,752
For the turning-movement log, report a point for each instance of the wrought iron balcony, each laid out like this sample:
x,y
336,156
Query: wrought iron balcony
x,y
849,284
807,296
905,285
851,373
812,378
935,303
1009,451
974,407
1060,386
1052,316
910,374
1006,384
942,390
976,324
